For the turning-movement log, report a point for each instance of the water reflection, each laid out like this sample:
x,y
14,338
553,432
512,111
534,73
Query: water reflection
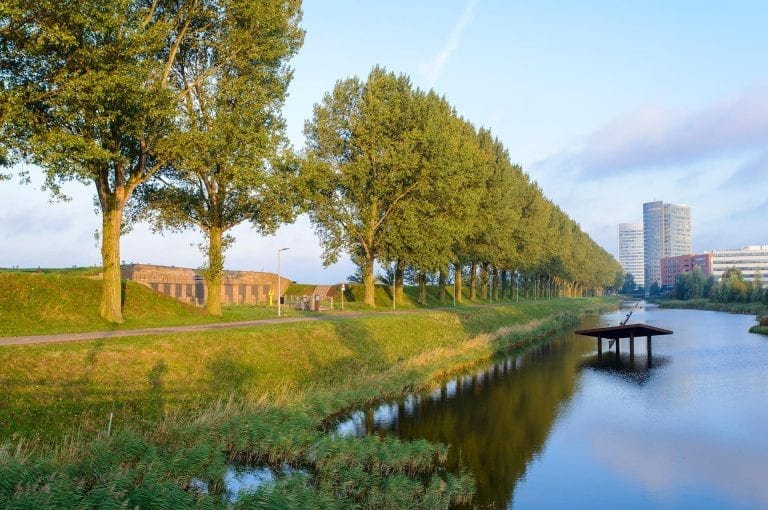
x,y
495,420
636,370
557,428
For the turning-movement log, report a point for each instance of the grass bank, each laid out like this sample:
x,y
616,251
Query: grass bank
x,y
183,406
706,304
52,301
68,302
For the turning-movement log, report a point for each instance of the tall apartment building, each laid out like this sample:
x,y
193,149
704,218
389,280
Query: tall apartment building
x,y
630,251
749,260
666,233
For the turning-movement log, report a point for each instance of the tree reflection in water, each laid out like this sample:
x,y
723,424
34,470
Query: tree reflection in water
x,y
496,420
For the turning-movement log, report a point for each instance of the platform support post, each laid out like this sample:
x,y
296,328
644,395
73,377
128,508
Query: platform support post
x,y
599,349
648,348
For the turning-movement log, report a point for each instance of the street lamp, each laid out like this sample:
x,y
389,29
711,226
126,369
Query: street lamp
x,y
394,272
279,293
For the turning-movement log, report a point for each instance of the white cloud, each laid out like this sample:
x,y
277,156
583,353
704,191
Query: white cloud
x,y
654,138
434,68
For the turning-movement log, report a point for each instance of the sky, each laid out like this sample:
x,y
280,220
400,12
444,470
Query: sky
x,y
605,104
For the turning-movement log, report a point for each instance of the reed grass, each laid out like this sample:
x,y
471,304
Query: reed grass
x,y
186,405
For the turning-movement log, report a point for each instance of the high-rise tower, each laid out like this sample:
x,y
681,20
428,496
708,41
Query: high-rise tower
x,y
631,255
666,233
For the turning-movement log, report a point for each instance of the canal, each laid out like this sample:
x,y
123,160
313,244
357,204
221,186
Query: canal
x,y
554,428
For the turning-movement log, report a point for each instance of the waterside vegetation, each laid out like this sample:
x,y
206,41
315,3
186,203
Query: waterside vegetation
x,y
732,293
184,406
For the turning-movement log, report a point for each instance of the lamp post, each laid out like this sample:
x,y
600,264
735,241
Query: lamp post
x,y
394,272
279,293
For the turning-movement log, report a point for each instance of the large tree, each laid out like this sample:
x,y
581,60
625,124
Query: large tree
x,y
422,234
364,162
231,163
86,97
91,92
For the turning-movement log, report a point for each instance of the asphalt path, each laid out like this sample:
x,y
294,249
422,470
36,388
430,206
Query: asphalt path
x,y
119,333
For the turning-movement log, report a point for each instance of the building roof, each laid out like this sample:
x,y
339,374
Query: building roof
x,y
614,332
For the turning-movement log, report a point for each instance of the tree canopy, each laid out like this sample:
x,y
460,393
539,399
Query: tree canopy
x,y
231,162
118,93
396,176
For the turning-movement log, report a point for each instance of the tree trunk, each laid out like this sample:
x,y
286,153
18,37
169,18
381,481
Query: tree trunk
x,y
399,283
496,284
111,290
441,285
422,287
214,271
368,281
484,280
473,281
504,285
459,282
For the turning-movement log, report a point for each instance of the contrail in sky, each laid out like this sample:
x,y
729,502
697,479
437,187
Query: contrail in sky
x,y
432,70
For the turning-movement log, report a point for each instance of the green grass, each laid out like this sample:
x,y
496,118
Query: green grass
x,y
184,405
60,302
706,304
66,301
762,330
74,385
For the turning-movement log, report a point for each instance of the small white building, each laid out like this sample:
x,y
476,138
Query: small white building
x,y
750,260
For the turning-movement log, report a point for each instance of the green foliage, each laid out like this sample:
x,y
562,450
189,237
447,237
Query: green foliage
x,y
228,160
629,285
731,287
89,100
289,379
692,285
398,177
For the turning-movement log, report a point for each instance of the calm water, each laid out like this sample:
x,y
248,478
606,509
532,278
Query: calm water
x,y
552,428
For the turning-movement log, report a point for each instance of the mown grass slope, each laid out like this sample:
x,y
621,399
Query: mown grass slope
x,y
36,303
68,386
183,405
67,301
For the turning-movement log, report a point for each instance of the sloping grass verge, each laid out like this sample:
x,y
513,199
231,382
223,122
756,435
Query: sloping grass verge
x,y
185,405
706,304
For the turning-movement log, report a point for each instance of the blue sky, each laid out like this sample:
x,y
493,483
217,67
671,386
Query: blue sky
x,y
605,104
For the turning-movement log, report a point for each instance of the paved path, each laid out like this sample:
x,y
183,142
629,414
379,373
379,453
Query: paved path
x,y
95,335
118,333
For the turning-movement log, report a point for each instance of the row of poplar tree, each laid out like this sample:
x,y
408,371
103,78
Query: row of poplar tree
x,y
172,110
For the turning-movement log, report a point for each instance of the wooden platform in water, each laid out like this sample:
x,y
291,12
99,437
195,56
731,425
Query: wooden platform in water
x,y
631,331
626,331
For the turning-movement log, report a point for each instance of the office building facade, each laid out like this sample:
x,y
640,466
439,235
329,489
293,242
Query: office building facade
x,y
666,233
672,267
750,260
630,250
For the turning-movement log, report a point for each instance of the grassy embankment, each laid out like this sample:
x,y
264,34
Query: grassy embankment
x,y
185,405
757,309
67,301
